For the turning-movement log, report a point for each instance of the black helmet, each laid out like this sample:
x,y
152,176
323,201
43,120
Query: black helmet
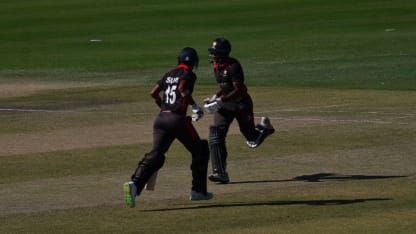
x,y
188,56
220,46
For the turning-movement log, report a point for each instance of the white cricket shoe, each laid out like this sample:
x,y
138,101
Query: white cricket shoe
x,y
265,129
197,196
130,192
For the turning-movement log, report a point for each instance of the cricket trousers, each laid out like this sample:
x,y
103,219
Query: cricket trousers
x,y
242,111
167,127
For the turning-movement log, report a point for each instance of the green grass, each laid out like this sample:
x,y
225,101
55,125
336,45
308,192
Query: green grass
x,y
61,164
75,107
77,98
337,79
349,44
260,212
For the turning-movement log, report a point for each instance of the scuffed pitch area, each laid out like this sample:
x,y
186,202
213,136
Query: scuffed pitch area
x,y
295,173
318,140
9,89
77,138
86,137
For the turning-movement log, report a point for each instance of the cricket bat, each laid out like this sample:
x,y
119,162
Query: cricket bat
x,y
151,183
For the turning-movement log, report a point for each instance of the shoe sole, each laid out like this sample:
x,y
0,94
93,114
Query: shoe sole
x,y
200,199
127,195
208,197
215,179
269,132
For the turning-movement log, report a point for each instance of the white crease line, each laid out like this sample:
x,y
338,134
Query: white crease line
x,y
68,111
339,111
28,110
274,118
301,108
337,120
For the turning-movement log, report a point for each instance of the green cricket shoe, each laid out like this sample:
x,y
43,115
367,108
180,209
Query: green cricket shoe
x,y
130,190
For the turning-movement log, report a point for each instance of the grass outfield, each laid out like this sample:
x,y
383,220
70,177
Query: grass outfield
x,y
336,78
319,43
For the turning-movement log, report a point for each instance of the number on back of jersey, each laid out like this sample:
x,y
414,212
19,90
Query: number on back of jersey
x,y
170,94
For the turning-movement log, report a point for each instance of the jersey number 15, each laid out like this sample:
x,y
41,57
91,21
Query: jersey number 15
x,y
170,94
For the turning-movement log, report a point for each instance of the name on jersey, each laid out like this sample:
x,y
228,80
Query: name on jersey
x,y
172,80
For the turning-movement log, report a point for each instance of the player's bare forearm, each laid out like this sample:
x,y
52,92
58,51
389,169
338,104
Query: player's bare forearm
x,y
154,93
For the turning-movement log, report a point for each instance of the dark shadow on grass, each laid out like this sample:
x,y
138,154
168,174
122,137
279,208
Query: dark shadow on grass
x,y
321,177
273,203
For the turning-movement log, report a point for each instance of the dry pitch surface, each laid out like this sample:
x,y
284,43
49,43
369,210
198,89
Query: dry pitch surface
x,y
323,135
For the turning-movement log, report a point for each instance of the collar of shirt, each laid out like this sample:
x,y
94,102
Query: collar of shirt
x,y
184,66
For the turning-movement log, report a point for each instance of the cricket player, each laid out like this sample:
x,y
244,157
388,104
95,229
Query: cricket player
x,y
172,123
232,101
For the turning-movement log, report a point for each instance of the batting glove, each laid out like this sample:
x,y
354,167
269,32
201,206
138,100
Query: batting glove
x,y
211,99
197,112
213,106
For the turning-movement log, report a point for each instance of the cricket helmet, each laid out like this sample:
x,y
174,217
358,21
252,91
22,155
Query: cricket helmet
x,y
220,46
188,56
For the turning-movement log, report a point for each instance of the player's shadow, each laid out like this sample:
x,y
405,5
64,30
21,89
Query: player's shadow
x,y
320,177
273,203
